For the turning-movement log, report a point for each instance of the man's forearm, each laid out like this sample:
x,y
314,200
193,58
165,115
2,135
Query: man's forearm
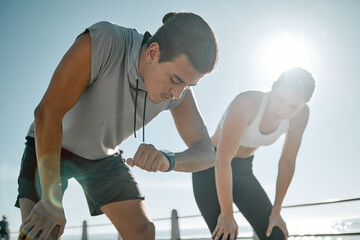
x,y
50,180
199,156
48,150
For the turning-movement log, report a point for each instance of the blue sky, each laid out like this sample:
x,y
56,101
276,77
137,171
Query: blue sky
x,y
257,39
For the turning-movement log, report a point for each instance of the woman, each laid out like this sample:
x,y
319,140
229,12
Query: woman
x,y
254,119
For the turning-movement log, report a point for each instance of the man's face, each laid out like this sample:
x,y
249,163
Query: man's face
x,y
167,80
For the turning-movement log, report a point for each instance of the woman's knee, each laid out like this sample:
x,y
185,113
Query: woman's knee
x,y
277,234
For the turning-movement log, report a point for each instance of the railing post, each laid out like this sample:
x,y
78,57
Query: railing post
x,y
255,237
84,231
175,232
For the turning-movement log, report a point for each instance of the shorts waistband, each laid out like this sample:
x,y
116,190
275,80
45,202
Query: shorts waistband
x,y
70,155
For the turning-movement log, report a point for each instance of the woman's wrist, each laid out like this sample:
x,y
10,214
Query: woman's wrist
x,y
227,212
276,209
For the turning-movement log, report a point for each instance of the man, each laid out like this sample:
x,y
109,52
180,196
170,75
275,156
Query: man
x,y
111,82
4,229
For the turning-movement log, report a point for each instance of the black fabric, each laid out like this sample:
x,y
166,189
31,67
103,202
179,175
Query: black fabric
x,y
248,195
146,38
104,181
144,113
136,95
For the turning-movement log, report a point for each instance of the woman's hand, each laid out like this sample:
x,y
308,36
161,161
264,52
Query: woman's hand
x,y
226,226
275,219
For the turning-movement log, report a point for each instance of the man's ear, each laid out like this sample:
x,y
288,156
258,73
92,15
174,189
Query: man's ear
x,y
153,52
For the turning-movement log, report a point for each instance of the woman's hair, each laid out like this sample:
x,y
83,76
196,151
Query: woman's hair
x,y
297,79
189,34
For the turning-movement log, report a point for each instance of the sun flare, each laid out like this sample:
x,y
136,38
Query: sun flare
x,y
279,52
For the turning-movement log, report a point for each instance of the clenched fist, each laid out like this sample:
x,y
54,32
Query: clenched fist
x,y
147,157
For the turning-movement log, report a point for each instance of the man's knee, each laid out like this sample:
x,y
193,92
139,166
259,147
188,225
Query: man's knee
x,y
147,232
130,219
150,231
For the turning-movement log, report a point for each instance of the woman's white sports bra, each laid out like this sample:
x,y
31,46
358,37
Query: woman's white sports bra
x,y
252,138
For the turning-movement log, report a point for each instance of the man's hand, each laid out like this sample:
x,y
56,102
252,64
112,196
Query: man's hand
x,y
43,218
147,157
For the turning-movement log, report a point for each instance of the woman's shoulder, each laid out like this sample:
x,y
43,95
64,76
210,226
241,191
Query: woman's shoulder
x,y
247,104
250,98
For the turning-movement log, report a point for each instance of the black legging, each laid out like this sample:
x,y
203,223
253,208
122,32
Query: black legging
x,y
248,195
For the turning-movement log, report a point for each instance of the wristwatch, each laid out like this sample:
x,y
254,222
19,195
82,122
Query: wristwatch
x,y
171,157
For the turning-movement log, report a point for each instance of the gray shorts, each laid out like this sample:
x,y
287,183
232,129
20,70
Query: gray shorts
x,y
104,181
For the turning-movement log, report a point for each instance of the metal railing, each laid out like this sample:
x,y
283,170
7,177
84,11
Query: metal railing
x,y
175,230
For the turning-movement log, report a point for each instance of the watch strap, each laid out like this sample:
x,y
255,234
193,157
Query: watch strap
x,y
171,158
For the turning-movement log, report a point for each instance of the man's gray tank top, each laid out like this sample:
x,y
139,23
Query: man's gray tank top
x,y
104,115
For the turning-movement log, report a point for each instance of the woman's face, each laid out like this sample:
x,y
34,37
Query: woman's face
x,y
285,103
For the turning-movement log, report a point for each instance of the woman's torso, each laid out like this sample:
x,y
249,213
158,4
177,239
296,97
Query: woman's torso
x,y
260,123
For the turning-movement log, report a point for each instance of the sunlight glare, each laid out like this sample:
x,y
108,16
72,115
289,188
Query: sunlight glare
x,y
280,52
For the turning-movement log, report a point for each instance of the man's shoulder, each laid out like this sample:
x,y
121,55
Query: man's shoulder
x,y
112,29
